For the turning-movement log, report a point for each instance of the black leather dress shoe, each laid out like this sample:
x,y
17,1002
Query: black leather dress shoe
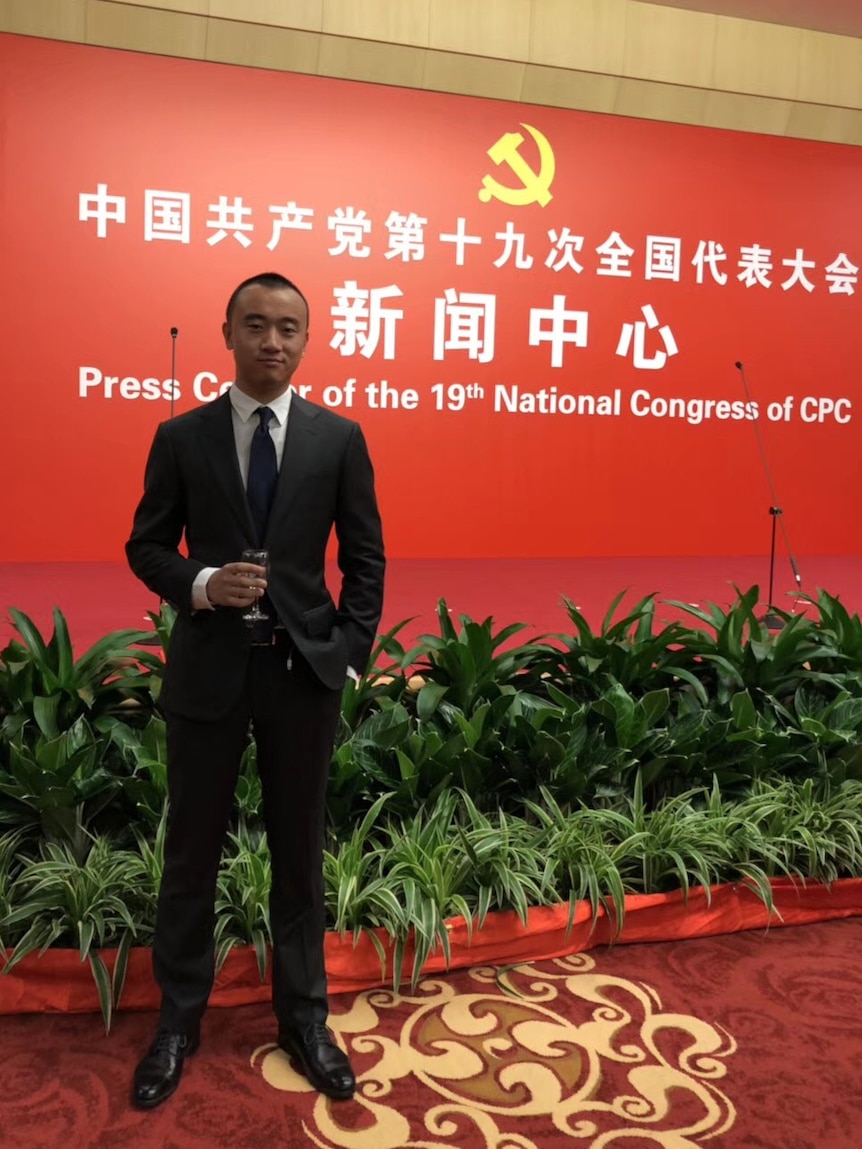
x,y
320,1059
159,1072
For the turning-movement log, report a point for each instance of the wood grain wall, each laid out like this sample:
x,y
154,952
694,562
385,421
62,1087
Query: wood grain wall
x,y
617,56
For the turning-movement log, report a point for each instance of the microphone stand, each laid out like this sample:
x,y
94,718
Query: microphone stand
x,y
771,619
174,333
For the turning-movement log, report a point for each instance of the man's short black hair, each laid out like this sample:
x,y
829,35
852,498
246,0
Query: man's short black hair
x,y
269,279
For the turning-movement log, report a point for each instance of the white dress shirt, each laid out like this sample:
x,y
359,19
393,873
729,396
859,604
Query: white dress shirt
x,y
245,424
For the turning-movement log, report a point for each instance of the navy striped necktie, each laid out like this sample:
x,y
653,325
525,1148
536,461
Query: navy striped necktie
x,y
262,472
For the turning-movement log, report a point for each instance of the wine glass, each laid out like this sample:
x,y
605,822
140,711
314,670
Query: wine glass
x,y
260,558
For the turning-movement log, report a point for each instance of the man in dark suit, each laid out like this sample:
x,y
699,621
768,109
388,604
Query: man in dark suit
x,y
258,467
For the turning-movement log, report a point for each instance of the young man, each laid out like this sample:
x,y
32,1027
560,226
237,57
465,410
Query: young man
x,y
258,467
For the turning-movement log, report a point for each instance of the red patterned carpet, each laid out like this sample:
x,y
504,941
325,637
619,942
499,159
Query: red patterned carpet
x,y
749,1041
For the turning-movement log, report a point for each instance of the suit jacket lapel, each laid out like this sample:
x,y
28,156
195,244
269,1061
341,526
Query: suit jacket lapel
x,y
300,444
219,447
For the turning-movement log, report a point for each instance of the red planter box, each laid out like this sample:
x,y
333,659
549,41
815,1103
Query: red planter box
x,y
58,981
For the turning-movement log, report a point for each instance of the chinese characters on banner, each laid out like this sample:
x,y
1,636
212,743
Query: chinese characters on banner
x,y
365,319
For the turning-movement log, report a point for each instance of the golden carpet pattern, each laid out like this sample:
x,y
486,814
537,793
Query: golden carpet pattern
x,y
554,1051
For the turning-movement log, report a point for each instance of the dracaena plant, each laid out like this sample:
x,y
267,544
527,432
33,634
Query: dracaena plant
x,y
471,663
364,765
56,787
735,651
44,685
145,783
385,679
627,651
163,624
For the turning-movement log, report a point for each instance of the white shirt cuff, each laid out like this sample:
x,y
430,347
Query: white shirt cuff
x,y
200,601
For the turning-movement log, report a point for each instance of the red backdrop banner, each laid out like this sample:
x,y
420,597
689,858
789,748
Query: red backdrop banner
x,y
534,313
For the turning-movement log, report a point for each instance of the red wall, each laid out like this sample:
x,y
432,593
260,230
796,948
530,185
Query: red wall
x,y
474,482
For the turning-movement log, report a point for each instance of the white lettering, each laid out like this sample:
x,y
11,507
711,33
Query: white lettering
x,y
91,379
204,389
88,377
814,410
693,411
549,401
130,387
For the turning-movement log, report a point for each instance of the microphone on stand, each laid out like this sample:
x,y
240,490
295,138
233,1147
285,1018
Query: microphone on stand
x,y
174,333
772,620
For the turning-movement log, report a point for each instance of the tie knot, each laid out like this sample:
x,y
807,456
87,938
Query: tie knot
x,y
265,414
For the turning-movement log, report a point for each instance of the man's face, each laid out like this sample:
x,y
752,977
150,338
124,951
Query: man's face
x,y
267,333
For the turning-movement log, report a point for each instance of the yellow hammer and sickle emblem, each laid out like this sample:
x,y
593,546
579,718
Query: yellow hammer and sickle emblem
x,y
535,187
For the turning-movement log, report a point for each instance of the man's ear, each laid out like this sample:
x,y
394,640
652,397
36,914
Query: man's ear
x,y
225,330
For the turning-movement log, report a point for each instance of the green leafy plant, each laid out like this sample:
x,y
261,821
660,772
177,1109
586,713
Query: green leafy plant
x,y
427,873
809,830
628,652
581,866
736,651
382,681
248,797
242,899
42,683
641,757
359,898
57,785
677,843
163,624
11,864
507,868
470,664
362,765
152,859
87,903
146,786
844,632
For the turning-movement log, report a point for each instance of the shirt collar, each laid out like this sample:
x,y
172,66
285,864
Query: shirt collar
x,y
245,406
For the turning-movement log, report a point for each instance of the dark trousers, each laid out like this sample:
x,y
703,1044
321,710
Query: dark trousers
x,y
293,718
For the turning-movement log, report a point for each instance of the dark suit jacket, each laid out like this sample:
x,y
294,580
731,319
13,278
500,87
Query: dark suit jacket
x,y
193,487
